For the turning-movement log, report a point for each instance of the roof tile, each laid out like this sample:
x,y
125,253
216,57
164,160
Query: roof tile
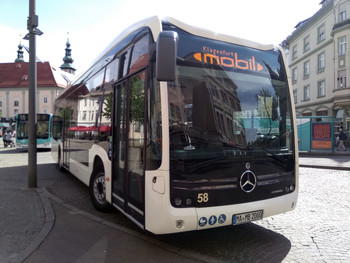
x,y
16,75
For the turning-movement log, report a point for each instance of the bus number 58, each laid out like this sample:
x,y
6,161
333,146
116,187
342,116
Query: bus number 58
x,y
203,198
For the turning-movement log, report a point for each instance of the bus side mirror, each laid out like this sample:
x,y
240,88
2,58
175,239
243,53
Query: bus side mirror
x,y
166,55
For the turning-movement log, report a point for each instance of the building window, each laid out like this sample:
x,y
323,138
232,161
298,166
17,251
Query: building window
x,y
341,79
16,103
342,16
342,46
322,113
294,52
213,90
321,88
224,97
342,12
220,120
84,116
295,96
307,114
306,69
306,44
0,103
45,100
294,75
306,93
321,34
321,62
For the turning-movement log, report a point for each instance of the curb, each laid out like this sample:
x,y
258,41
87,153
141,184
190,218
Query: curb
x,y
45,230
341,168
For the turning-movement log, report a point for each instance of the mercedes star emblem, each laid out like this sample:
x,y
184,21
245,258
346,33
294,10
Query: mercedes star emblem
x,y
248,181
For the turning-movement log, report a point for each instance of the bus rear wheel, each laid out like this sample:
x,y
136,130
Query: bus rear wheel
x,y
98,190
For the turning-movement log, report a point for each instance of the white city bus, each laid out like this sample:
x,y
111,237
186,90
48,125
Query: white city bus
x,y
182,129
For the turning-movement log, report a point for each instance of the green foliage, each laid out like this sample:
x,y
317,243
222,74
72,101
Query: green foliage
x,y
137,105
136,102
66,115
108,103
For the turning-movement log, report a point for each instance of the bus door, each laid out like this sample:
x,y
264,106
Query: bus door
x,y
128,147
66,152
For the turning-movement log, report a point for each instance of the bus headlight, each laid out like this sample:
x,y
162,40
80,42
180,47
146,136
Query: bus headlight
x,y
178,201
189,201
182,202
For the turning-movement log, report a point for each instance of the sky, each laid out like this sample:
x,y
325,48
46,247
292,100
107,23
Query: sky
x,y
91,25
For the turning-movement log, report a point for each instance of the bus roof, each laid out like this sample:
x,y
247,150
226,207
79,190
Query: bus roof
x,y
155,25
214,35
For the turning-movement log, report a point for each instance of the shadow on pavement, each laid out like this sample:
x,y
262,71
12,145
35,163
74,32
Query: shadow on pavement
x,y
242,243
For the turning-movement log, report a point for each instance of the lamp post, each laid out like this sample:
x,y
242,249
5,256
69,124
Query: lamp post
x,y
32,23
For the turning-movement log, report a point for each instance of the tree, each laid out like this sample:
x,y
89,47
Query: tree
x,y
66,115
137,112
108,103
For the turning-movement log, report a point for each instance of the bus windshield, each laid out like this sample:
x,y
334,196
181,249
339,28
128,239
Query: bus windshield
x,y
42,126
228,100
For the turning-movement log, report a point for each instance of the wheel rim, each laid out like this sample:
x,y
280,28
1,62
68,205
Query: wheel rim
x,y
100,188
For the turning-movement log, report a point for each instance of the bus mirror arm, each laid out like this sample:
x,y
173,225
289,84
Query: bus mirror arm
x,y
166,53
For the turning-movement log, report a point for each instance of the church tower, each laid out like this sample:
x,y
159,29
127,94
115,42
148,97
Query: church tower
x,y
20,53
68,61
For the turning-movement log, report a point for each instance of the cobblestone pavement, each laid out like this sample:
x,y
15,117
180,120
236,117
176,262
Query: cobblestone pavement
x,y
318,230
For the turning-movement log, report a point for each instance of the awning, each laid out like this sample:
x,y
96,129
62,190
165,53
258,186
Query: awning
x,y
103,128
76,128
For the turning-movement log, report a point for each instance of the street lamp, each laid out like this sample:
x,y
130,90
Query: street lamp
x,y
32,24
35,31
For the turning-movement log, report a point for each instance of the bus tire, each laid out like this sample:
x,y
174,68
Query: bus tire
x,y
97,190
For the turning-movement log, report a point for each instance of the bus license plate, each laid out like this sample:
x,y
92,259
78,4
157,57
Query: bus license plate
x,y
247,217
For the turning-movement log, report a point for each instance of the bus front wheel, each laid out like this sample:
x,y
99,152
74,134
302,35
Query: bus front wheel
x,y
98,190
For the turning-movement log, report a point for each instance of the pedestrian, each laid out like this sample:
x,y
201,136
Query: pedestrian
x,y
342,140
4,136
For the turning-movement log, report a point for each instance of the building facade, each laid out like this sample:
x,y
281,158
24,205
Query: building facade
x,y
319,63
14,85
14,91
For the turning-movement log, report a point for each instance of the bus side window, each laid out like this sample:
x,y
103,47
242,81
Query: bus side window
x,y
139,57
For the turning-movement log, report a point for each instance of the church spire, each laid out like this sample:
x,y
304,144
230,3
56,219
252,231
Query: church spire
x,y
68,61
19,53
